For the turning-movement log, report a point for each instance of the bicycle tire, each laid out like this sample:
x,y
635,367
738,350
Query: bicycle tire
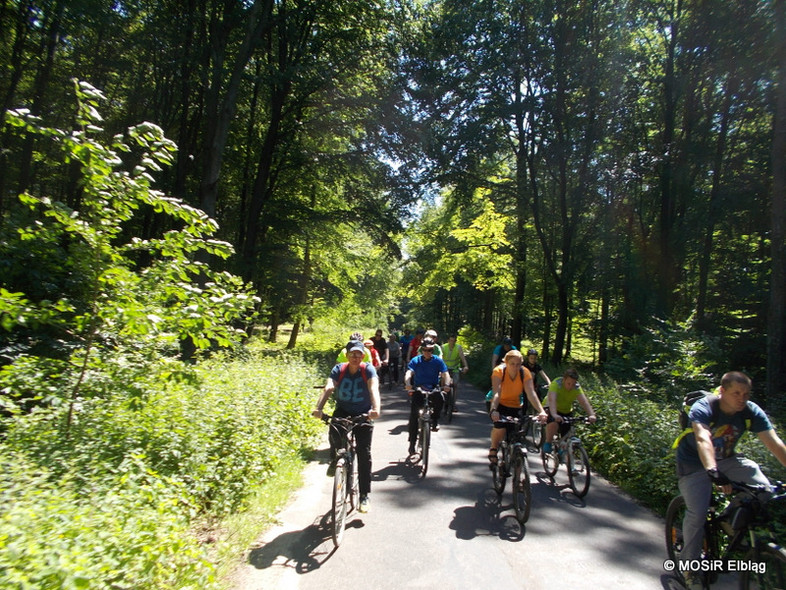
x,y
675,513
773,560
354,489
424,442
578,469
522,490
535,434
550,461
450,404
339,510
499,470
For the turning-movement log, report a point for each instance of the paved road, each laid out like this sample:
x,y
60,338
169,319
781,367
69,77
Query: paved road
x,y
450,531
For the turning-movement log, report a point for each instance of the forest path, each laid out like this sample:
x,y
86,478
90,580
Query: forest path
x,y
451,530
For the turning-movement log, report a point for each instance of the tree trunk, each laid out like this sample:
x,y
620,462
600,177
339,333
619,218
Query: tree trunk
x,y
777,313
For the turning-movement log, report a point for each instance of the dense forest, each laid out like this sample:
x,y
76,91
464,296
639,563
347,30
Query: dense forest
x,y
603,181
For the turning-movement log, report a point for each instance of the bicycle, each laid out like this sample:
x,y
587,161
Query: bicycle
x,y
513,452
345,480
425,415
450,398
569,448
740,530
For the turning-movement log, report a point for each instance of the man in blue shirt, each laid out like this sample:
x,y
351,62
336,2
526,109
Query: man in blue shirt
x,y
426,371
706,455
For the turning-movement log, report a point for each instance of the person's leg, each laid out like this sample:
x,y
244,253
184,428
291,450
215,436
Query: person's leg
x,y
696,489
741,469
412,426
363,433
437,401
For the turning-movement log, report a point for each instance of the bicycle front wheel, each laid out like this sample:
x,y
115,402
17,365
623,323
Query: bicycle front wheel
x,y
450,404
499,469
578,469
550,460
340,503
424,442
771,565
522,491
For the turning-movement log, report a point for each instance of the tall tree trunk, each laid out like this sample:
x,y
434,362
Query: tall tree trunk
x,y
221,108
776,383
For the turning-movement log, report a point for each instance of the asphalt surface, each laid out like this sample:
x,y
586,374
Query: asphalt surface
x,y
451,530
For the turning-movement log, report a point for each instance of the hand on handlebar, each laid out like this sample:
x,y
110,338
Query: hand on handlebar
x,y
542,418
317,414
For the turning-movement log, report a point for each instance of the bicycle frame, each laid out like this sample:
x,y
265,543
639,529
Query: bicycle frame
x,y
567,446
741,531
513,454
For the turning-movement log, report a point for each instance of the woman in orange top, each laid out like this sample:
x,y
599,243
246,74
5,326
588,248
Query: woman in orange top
x,y
508,382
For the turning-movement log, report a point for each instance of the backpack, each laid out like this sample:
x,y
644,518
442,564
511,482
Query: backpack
x,y
688,401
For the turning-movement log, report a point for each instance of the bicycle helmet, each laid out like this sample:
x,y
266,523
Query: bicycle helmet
x,y
532,351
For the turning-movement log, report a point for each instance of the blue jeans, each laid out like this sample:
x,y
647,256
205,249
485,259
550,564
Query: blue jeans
x,y
696,489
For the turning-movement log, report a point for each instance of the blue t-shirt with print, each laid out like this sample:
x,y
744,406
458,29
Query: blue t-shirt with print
x,y
725,432
427,373
352,394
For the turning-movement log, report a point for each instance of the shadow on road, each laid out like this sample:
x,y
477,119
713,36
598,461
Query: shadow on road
x,y
304,550
485,518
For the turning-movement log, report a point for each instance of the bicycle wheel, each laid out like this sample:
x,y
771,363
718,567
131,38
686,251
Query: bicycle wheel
x,y
674,539
550,460
352,478
450,403
772,560
578,469
522,491
424,442
535,434
499,470
340,491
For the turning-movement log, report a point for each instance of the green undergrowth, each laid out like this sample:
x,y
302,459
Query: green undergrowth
x,y
124,496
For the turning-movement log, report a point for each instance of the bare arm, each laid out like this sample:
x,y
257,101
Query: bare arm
x,y
373,386
774,444
529,388
585,403
323,398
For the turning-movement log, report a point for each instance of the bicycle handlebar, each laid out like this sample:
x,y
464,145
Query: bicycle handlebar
x,y
359,419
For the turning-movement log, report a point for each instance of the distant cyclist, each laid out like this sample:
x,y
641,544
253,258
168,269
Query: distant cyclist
x,y
453,355
355,386
501,350
426,371
558,402
531,363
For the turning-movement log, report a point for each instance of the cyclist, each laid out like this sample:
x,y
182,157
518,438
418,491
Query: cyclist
x,y
405,340
453,355
414,344
705,456
342,354
508,381
356,389
501,350
558,402
394,357
531,363
381,346
427,371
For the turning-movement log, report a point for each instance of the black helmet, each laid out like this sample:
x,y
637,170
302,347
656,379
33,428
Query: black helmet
x,y
532,351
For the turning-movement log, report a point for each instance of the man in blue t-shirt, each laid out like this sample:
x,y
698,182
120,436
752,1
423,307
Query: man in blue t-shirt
x,y
355,387
706,455
426,371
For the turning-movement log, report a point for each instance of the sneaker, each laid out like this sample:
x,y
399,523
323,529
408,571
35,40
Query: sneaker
x,y
547,447
363,507
435,428
331,470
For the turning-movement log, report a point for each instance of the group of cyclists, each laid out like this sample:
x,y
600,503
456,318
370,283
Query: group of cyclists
x,y
427,365
705,452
